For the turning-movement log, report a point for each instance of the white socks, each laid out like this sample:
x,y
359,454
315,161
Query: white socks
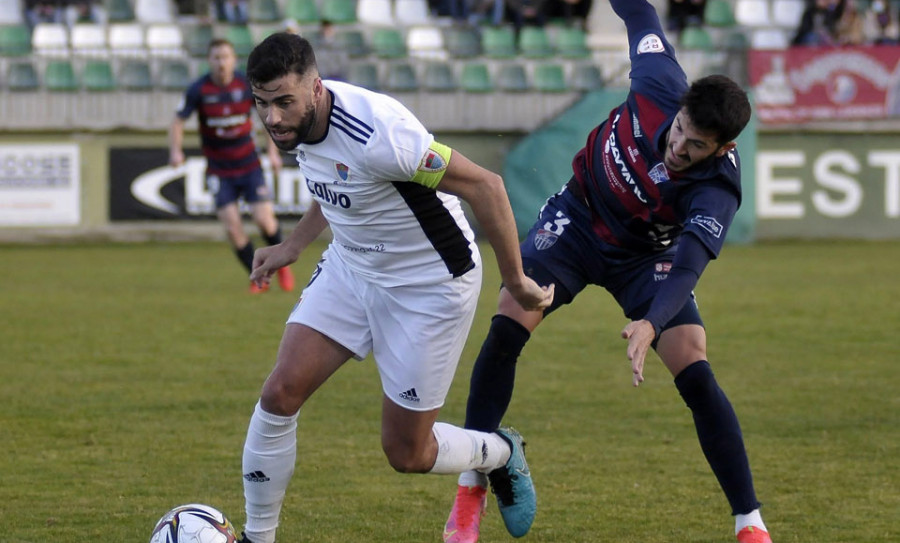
x,y
269,456
461,450
752,518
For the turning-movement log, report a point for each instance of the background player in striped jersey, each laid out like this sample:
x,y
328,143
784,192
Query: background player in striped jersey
x,y
400,279
223,102
653,193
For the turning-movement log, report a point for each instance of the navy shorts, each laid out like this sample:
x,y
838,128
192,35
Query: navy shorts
x,y
251,186
561,248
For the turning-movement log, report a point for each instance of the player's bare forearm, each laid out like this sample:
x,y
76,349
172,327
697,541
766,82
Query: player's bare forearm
x,y
268,260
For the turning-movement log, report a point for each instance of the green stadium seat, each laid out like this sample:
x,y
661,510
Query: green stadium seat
x,y
694,37
718,13
118,11
97,76
571,43
475,77
512,78
462,42
352,41
174,75
59,76
736,41
534,42
197,38
338,11
264,11
302,11
15,40
439,77
587,77
241,37
388,43
550,78
401,77
135,75
22,77
498,42
363,74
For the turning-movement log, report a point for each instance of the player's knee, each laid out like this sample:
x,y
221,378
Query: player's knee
x,y
404,458
279,398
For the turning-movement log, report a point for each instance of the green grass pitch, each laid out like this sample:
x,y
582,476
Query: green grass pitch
x,y
128,374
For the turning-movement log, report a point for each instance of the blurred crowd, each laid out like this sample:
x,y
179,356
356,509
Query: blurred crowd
x,y
846,22
516,12
67,12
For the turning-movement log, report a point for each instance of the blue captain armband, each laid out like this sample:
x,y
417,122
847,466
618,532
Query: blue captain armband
x,y
433,165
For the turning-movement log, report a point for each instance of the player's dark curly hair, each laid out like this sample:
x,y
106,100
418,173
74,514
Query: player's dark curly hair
x,y
278,55
718,105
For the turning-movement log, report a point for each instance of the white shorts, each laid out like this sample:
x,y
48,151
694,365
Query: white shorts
x,y
416,333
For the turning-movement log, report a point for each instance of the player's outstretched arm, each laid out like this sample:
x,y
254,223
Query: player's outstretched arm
x,y
483,190
268,260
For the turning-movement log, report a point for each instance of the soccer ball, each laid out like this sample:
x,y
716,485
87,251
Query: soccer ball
x,y
193,523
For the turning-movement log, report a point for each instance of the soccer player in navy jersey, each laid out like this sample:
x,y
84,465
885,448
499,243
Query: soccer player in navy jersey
x,y
651,198
223,102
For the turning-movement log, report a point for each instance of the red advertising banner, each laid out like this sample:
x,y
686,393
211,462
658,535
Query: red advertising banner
x,y
805,84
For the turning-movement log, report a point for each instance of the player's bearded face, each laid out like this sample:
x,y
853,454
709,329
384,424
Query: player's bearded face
x,y
287,107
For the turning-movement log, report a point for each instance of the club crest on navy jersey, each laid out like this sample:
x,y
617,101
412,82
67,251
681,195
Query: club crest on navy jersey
x,y
659,174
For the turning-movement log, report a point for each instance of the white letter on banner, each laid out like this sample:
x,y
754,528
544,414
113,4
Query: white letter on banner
x,y
827,176
890,160
767,186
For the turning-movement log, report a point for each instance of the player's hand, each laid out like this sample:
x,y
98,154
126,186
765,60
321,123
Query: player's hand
x,y
176,157
531,296
268,260
640,335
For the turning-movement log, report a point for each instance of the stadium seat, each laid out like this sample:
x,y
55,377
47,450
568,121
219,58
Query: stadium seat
x,y
241,38
753,13
439,77
135,75
174,75
338,11
426,42
388,43
411,12
498,42
718,13
126,39
586,77
550,78
787,13
197,38
696,38
462,42
154,11
302,11
89,39
264,11
571,43
118,11
534,42
50,39
401,77
476,77
15,40
11,12
59,76
375,12
97,76
363,74
353,41
21,76
511,77
165,40
769,38
736,41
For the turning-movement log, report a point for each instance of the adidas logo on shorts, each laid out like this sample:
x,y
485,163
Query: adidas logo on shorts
x,y
410,395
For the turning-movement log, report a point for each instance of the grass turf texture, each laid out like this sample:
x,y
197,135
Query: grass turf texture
x,y
128,374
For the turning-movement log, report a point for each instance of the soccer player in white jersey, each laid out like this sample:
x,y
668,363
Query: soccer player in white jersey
x,y
400,279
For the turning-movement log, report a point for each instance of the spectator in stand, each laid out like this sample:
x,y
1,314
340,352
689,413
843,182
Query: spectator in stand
x,y
43,11
684,13
880,25
331,58
573,12
849,29
85,11
526,12
818,25
232,11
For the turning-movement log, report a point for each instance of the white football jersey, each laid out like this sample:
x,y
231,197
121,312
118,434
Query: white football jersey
x,y
373,175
